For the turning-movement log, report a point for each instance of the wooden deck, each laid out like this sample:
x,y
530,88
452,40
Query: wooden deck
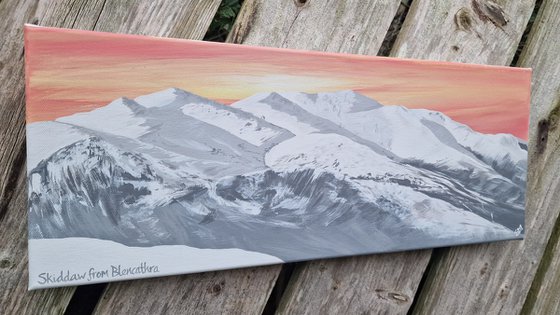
x,y
499,278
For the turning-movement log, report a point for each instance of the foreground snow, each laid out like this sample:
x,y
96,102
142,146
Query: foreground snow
x,y
86,260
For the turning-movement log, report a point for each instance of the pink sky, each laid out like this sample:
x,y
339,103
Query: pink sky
x,y
72,71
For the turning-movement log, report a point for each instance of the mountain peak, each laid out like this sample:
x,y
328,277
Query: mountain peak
x,y
111,118
179,92
167,97
176,90
347,92
127,102
347,101
120,100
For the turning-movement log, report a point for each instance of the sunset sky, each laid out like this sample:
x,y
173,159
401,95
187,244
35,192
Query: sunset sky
x,y
72,71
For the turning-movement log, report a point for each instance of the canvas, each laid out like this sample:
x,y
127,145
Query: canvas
x,y
149,156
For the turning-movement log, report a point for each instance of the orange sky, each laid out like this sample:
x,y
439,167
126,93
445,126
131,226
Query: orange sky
x,y
70,71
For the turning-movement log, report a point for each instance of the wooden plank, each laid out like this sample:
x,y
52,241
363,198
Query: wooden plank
x,y
541,53
464,30
163,17
175,18
496,277
14,14
350,26
354,285
14,298
220,291
240,291
387,283
350,284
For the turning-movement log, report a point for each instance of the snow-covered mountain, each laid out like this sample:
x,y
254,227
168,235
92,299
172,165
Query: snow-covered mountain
x,y
426,136
293,175
180,131
503,152
426,139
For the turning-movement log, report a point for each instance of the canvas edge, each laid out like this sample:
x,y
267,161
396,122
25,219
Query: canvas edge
x,y
26,29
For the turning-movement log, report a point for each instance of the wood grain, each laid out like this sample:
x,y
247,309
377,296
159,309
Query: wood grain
x,y
354,285
456,31
14,298
240,291
343,26
12,133
169,18
494,278
352,26
340,285
349,27
388,283
541,54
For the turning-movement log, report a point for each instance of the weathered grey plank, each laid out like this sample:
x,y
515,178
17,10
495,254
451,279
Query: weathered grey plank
x,y
212,296
351,26
240,291
14,14
343,26
464,30
495,278
352,284
175,18
163,17
430,31
14,298
541,53
499,275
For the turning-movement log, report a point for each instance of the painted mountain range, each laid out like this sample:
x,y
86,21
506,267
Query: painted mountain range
x,y
293,175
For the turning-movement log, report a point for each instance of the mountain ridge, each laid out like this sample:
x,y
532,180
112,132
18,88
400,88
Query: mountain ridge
x,y
218,176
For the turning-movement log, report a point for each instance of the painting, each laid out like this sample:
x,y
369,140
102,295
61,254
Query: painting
x,y
153,156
